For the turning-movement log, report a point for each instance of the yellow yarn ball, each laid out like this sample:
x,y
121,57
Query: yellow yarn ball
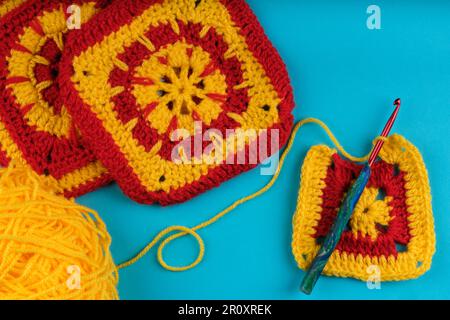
x,y
51,247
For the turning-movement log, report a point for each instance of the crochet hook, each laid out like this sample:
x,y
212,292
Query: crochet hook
x,y
346,211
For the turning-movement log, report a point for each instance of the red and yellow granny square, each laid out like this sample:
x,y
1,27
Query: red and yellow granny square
x,y
143,70
391,232
35,126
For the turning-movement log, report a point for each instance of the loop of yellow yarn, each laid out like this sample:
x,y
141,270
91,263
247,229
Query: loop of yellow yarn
x,y
182,231
50,247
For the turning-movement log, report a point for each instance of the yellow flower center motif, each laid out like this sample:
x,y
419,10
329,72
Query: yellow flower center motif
x,y
180,84
371,213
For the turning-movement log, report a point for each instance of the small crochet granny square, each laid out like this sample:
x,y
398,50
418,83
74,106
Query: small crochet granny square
x,y
140,70
35,127
391,232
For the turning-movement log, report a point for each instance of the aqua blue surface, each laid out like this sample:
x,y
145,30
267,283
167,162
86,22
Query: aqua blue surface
x,y
348,76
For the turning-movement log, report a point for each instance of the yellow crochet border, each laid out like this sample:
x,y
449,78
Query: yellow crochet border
x,y
412,263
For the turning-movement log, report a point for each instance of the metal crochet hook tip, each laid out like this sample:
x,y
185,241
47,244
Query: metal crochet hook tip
x,y
387,129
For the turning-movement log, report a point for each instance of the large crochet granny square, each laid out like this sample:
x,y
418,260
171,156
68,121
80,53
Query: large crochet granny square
x,y
391,233
140,70
35,126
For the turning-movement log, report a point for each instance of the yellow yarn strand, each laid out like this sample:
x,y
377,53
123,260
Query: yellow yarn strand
x,y
43,236
183,231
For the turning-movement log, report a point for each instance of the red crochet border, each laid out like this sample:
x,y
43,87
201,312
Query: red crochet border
x,y
108,21
29,141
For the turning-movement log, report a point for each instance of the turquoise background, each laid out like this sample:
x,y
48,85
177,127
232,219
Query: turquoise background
x,y
348,76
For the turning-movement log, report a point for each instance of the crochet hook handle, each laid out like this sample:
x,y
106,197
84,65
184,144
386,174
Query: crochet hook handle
x,y
333,237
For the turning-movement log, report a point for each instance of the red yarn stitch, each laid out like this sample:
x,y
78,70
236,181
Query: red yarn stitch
x,y
4,160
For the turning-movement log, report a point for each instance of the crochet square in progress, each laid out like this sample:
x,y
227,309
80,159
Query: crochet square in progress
x,y
35,126
391,232
143,69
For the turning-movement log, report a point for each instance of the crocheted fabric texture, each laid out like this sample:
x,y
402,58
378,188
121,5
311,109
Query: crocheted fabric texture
x,y
35,127
142,69
392,227
9,5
